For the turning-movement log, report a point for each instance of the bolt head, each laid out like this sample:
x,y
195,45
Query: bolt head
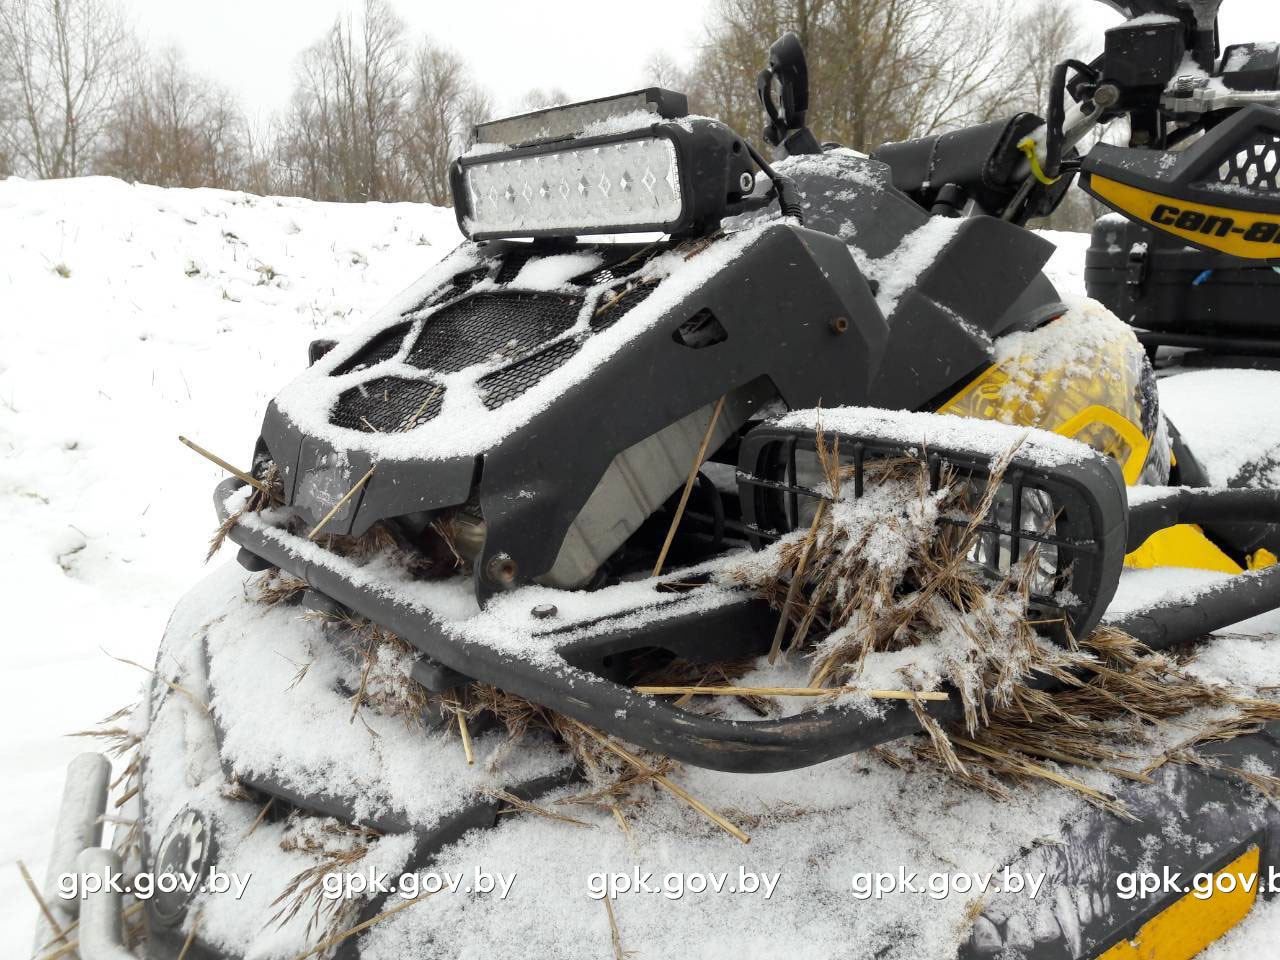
x,y
502,570
1107,95
839,325
544,611
746,182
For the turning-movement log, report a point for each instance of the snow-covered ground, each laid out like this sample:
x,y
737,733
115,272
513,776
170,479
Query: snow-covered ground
x,y
129,315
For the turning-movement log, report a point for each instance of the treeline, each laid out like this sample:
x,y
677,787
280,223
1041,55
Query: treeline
x,y
376,114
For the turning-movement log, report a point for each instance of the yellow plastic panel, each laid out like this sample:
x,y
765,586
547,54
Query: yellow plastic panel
x,y
1097,404
1182,546
1183,929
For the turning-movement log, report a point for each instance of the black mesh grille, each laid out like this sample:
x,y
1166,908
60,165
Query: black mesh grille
x,y
461,284
455,287
380,348
612,272
473,330
614,304
1255,166
510,382
388,405
513,263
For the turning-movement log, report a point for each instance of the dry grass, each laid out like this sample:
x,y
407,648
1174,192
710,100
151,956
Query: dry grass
x,y
521,717
386,684
515,804
882,574
615,935
276,587
271,494
336,846
434,556
878,574
613,783
688,673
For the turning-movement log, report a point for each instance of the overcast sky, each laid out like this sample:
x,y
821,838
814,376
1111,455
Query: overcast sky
x,y
589,48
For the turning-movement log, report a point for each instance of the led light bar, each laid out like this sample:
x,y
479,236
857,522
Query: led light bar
x,y
556,123
634,181
676,178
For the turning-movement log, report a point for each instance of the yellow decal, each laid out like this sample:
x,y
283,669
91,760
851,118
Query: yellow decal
x,y
1186,927
1240,233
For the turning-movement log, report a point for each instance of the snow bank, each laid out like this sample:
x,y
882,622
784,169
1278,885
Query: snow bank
x,y
128,315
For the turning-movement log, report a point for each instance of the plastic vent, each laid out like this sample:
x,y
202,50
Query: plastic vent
x,y
1255,166
459,285
388,405
488,325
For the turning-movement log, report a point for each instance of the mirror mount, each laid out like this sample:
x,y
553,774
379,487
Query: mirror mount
x,y
786,131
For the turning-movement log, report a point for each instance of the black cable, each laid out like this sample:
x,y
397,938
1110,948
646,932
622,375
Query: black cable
x,y
788,197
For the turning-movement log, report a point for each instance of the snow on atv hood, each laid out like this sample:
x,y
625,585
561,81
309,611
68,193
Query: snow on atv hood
x,y
272,668
465,426
811,828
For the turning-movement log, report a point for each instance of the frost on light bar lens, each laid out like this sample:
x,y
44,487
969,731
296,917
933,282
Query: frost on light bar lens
x,y
622,185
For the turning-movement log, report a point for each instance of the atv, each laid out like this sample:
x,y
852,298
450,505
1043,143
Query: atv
x,y
537,475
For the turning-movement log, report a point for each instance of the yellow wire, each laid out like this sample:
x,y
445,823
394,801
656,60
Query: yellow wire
x,y
1028,146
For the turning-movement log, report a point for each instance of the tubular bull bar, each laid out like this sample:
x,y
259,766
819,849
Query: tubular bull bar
x,y
96,916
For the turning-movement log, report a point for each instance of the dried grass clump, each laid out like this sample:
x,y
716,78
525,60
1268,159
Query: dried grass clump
x,y
521,717
385,662
270,494
276,587
612,783
690,673
882,574
337,847
382,542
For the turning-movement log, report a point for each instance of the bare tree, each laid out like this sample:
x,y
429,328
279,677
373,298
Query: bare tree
x,y
661,70
260,145
443,106
65,59
880,70
8,119
339,136
175,129
1044,36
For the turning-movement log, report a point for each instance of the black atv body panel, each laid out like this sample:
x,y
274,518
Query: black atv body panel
x,y
801,323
